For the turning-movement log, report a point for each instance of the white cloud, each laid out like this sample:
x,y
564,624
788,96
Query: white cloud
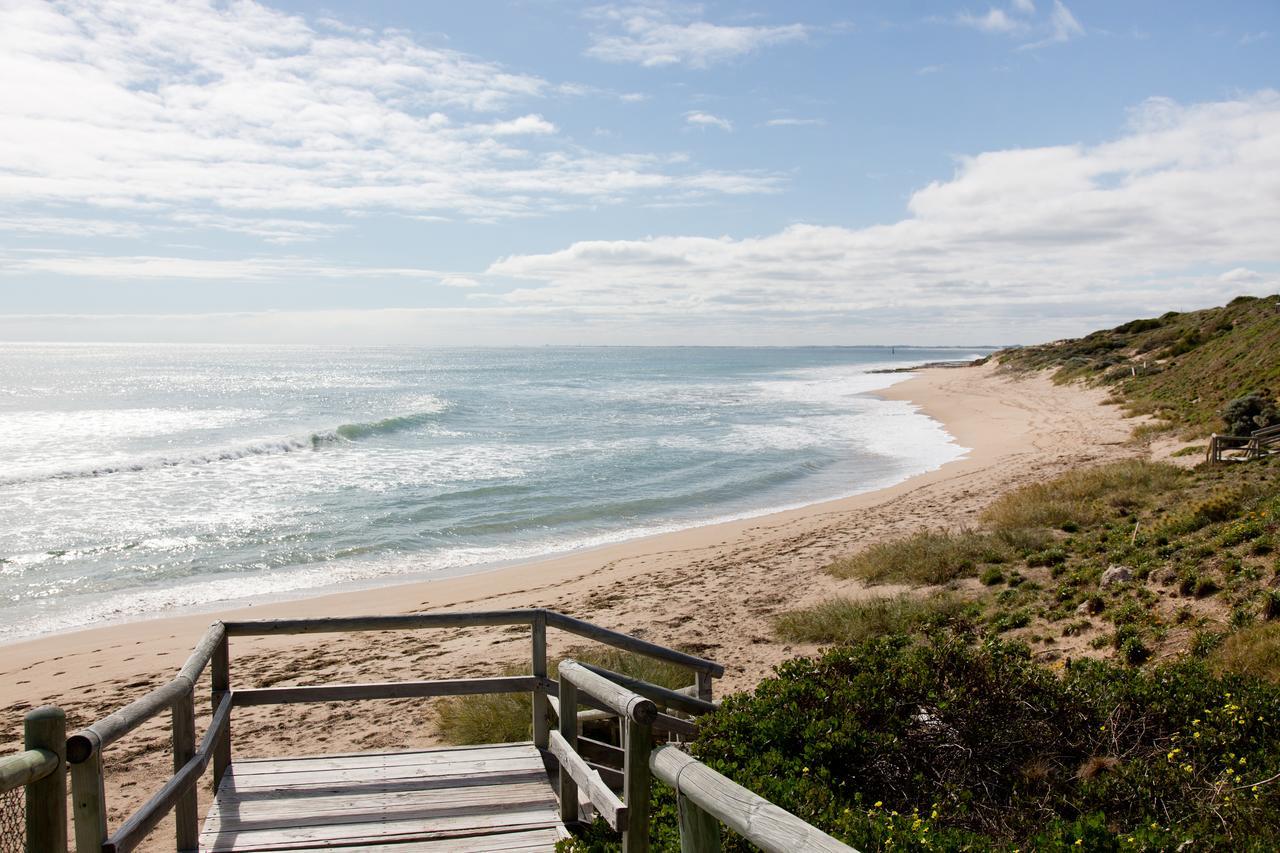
x,y
1026,7
929,69
1254,38
1063,27
1148,220
701,119
172,268
654,36
994,21
231,112
459,281
795,122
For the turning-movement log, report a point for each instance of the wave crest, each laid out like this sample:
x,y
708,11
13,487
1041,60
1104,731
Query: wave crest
x,y
340,434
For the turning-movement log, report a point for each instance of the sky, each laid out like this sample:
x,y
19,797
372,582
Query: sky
x,y
539,172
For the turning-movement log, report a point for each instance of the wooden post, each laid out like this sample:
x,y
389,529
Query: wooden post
x,y
638,739
568,731
185,810
541,725
46,728
220,679
704,686
89,802
699,831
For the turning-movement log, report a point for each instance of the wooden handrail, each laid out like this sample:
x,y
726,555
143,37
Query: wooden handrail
x,y
20,770
352,624
712,795
623,702
632,644
660,695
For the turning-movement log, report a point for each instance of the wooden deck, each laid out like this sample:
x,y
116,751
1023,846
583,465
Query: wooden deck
x,y
479,798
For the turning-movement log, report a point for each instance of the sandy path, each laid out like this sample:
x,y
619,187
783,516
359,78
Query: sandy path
x,y
711,590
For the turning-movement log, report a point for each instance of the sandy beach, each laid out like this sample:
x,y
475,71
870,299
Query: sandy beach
x,y
711,590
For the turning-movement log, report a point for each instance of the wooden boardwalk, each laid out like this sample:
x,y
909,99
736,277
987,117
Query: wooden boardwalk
x,y
479,798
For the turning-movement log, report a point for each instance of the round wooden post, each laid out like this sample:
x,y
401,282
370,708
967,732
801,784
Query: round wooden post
x,y
186,810
88,797
638,738
699,831
46,728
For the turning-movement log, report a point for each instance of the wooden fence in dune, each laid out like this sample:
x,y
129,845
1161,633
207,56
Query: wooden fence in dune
x,y
1233,448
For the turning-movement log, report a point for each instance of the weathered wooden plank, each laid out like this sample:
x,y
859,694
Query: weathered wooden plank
x,y
605,801
541,840
600,752
306,764
384,690
458,802
765,825
389,830
383,775
637,738
342,801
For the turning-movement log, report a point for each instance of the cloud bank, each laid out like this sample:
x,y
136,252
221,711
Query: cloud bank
x,y
654,36
256,119
1180,209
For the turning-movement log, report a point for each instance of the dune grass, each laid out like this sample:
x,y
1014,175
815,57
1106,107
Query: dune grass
x,y
1252,651
848,620
508,717
932,557
1084,496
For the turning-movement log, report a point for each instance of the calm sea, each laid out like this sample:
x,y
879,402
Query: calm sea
x,y
135,480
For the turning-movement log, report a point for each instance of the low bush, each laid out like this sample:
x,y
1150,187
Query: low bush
x,y
891,744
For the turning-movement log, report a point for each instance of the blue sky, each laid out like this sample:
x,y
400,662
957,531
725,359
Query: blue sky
x,y
553,172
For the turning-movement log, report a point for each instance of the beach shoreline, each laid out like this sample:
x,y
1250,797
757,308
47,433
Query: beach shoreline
x,y
712,590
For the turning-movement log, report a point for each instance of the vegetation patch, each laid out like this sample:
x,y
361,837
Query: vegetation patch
x,y
935,556
894,744
848,620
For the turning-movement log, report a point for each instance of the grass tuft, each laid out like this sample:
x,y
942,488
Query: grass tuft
x,y
1083,497
847,620
1253,651
935,556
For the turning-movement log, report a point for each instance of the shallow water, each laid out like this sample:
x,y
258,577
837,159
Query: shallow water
x,y
139,479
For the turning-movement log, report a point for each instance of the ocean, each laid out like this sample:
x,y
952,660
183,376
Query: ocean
x,y
136,480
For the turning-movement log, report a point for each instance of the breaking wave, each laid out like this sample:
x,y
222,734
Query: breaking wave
x,y
315,441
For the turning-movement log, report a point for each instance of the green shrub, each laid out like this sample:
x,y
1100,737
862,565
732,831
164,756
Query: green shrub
x,y
992,576
1251,412
988,745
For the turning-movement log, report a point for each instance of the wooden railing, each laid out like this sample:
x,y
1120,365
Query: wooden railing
x,y
190,760
41,770
1255,445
